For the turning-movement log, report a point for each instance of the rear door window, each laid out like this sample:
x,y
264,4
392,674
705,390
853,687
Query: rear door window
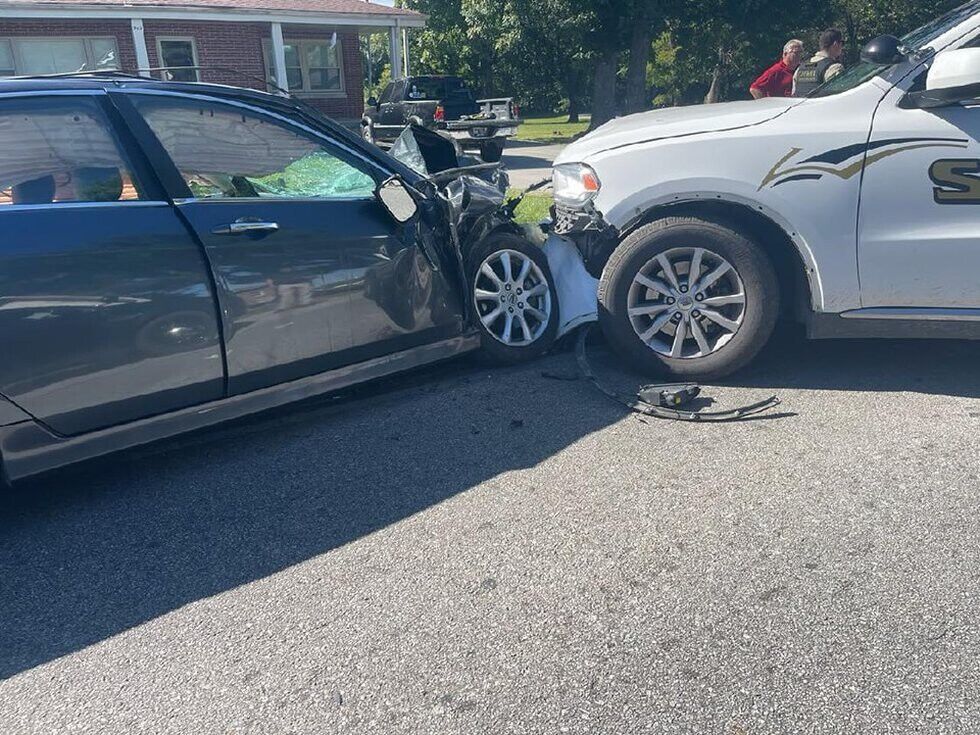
x,y
225,152
60,150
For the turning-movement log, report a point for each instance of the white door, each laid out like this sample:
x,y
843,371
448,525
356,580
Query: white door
x,y
919,226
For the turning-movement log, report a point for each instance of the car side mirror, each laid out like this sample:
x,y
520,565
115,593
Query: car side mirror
x,y
398,200
883,50
372,102
954,77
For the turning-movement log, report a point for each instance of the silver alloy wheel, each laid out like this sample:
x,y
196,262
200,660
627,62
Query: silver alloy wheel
x,y
512,298
686,303
367,133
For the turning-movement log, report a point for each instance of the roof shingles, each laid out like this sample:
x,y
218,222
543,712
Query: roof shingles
x,y
344,7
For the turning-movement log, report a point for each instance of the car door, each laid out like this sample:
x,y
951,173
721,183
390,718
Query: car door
x,y
107,311
312,272
919,234
393,110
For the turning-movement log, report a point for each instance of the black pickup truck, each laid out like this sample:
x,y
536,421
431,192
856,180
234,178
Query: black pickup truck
x,y
442,103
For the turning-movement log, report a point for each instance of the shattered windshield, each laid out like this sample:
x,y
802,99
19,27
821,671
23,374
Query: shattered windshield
x,y
916,40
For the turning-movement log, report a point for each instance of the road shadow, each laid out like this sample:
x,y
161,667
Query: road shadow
x,y
518,144
934,367
95,550
526,163
791,362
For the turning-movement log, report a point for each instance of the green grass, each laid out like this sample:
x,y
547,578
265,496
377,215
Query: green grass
x,y
551,129
533,209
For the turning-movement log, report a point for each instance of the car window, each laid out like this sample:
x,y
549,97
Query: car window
x,y
438,89
227,152
922,37
386,95
60,150
917,39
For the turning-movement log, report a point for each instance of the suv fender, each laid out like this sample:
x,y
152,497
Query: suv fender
x,y
717,204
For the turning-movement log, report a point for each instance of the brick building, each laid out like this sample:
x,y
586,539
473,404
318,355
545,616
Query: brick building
x,y
314,44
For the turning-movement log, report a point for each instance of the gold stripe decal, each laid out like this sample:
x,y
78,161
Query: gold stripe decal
x,y
844,171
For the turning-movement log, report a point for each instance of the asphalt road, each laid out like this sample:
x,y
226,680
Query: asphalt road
x,y
528,163
495,551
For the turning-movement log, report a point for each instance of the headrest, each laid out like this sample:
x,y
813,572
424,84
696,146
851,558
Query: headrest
x,y
97,184
35,191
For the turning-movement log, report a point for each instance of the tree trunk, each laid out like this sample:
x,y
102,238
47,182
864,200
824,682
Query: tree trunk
x,y
604,89
573,90
851,37
641,43
717,80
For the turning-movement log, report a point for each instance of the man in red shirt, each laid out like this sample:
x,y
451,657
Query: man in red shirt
x,y
777,80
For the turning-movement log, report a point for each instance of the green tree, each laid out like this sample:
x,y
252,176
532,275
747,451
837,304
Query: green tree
x,y
617,55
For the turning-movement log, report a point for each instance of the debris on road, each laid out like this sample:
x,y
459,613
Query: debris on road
x,y
639,404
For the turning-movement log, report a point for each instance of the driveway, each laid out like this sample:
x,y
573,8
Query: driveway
x,y
528,163
471,550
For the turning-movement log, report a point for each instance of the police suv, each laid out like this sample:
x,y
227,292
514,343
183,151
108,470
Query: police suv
x,y
855,210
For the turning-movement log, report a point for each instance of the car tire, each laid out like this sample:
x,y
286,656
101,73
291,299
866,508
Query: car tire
x,y
491,152
530,305
712,327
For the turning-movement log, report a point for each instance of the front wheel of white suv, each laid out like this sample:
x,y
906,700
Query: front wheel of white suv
x,y
688,298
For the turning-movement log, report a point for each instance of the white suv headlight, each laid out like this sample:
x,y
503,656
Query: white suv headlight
x,y
575,184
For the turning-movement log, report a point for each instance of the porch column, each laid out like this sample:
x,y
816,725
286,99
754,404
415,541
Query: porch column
x,y
408,65
279,57
395,51
139,43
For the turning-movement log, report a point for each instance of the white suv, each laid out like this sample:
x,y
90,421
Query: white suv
x,y
856,210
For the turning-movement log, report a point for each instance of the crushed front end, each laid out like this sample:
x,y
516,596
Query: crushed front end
x,y
576,218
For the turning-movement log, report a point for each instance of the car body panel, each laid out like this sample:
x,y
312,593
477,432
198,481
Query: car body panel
x,y
107,315
312,295
29,448
672,122
130,266
920,248
802,164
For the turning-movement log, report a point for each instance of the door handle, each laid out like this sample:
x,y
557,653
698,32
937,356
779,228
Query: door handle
x,y
245,226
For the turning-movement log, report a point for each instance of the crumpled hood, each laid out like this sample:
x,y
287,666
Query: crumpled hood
x,y
672,122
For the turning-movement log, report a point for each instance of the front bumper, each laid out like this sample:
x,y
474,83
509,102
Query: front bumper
x,y
593,236
474,131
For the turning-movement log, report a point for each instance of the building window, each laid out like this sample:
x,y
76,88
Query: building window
x,y
177,55
29,56
311,66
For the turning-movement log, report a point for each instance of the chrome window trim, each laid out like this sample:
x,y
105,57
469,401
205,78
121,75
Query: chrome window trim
x,y
82,205
919,313
271,200
48,92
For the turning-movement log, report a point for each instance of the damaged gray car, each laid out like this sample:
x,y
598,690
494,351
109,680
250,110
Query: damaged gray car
x,y
177,255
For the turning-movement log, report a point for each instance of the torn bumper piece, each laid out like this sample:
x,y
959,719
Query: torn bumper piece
x,y
593,236
578,292
639,404
577,221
